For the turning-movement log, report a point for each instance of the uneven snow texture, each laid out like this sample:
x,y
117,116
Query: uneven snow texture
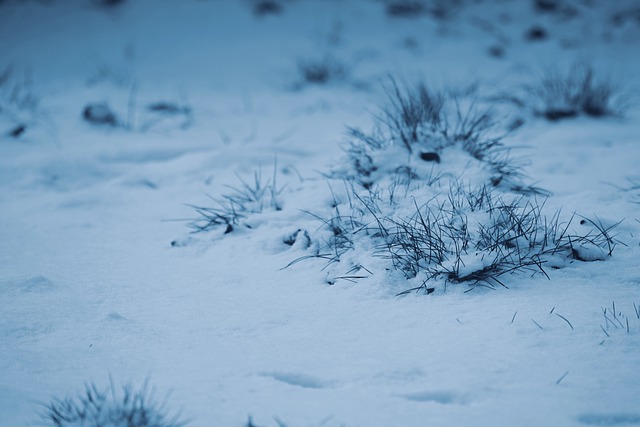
x,y
116,118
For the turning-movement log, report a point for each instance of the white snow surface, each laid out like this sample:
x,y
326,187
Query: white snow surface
x,y
92,290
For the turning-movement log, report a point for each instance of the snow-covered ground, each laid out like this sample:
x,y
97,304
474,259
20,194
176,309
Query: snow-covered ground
x,y
101,279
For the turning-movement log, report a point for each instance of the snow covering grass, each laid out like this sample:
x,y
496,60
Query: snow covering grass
x,y
456,233
111,407
419,253
245,199
425,124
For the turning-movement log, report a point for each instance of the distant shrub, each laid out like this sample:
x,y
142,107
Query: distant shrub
x,y
100,114
547,5
17,89
536,33
109,408
405,8
109,3
573,93
321,71
154,115
19,104
496,51
630,13
267,7
169,113
438,9
562,9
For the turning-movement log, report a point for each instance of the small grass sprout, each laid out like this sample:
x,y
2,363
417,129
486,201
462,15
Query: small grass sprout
x,y
616,321
242,201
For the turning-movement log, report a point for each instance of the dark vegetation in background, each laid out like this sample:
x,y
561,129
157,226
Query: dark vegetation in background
x,y
437,9
101,114
578,90
19,104
318,71
536,33
267,7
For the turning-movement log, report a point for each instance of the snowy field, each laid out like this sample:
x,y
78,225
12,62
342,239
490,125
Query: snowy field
x,y
321,212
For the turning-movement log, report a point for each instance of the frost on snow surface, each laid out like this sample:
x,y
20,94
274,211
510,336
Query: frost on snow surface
x,y
319,213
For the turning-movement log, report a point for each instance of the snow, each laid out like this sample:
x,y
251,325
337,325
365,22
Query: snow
x,y
92,289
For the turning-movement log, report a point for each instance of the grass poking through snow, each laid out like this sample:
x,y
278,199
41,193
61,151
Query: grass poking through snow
x,y
242,201
464,235
407,203
420,130
110,407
